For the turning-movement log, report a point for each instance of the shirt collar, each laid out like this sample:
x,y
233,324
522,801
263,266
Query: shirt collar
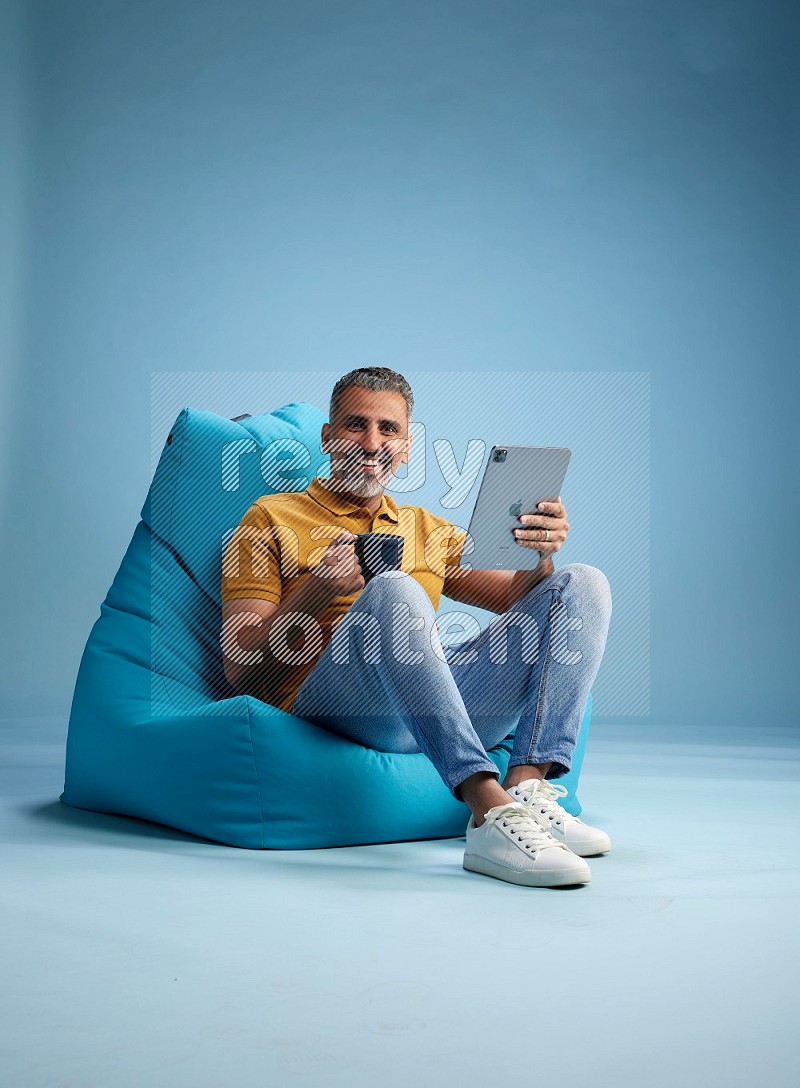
x,y
337,504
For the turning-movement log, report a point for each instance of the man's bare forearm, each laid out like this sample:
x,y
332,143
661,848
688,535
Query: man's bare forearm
x,y
309,599
524,580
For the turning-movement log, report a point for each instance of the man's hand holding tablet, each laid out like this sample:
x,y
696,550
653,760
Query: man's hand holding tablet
x,y
544,529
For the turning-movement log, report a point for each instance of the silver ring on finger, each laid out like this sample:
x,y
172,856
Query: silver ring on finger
x,y
547,535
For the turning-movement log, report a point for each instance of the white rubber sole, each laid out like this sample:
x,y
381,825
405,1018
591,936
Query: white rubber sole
x,y
529,878
587,849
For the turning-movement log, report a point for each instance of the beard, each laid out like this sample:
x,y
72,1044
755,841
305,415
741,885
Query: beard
x,y
347,475
365,488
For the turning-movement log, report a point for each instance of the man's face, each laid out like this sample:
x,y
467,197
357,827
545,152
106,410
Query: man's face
x,y
368,440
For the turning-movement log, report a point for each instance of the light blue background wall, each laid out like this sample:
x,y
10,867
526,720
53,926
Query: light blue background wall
x,y
584,186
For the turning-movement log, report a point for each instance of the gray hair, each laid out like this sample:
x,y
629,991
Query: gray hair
x,y
378,378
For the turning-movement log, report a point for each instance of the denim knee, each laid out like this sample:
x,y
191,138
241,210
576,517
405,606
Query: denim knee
x,y
591,583
576,581
394,586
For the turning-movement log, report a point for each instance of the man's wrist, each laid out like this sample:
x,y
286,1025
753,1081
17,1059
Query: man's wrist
x,y
319,590
524,580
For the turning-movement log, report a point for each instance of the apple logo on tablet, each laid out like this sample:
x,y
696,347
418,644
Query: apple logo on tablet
x,y
515,509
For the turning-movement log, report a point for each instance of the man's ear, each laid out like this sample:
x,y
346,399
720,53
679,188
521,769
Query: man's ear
x,y
326,430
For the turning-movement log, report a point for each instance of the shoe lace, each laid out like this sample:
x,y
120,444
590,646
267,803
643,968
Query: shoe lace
x,y
521,825
546,796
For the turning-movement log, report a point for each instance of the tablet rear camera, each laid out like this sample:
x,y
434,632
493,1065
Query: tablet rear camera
x,y
500,455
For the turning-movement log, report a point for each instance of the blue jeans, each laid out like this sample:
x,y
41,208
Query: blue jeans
x,y
385,680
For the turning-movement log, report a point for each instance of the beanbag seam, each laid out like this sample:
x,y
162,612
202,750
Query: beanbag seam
x,y
257,770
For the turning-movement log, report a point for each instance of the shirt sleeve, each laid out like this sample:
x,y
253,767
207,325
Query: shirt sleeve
x,y
454,546
251,564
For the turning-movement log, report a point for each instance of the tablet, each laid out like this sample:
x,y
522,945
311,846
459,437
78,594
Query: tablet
x,y
515,480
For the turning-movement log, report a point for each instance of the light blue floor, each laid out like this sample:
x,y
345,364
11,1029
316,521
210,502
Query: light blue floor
x,y
136,956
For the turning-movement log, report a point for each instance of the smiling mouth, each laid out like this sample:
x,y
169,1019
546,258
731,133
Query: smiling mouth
x,y
371,465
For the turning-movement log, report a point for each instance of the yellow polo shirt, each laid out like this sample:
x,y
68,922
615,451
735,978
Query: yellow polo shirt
x,y
281,537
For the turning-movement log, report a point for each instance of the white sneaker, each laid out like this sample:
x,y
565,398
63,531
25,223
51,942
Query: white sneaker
x,y
511,845
542,799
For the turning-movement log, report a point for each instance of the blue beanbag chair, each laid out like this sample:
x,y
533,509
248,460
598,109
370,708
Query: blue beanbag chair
x,y
155,730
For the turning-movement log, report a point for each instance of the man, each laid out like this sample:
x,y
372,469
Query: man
x,y
291,601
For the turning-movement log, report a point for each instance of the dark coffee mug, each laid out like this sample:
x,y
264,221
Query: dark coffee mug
x,y
378,552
